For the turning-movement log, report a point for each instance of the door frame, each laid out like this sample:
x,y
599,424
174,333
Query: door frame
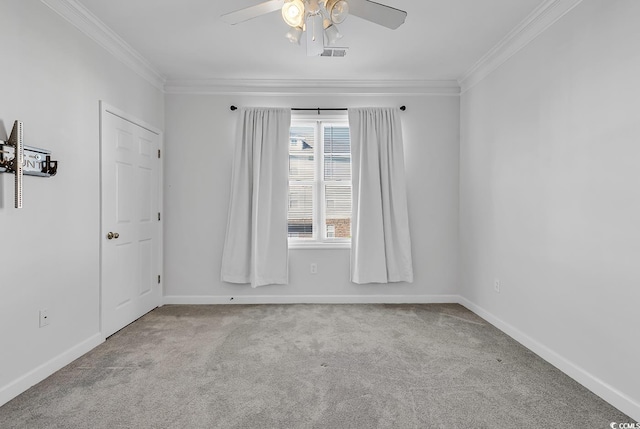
x,y
105,109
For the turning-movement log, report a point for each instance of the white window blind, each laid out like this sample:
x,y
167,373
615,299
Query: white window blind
x,y
302,174
319,183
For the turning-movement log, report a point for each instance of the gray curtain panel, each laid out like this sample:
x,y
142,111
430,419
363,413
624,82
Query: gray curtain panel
x,y
380,243
255,248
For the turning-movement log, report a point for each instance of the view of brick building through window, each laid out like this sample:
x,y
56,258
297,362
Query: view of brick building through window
x,y
319,182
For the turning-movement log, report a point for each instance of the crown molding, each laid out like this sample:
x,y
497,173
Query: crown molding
x,y
312,87
89,24
531,27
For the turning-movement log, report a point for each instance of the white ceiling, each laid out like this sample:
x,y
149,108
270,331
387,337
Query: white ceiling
x,y
185,39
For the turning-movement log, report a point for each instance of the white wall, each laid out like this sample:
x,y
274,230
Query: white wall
x,y
199,134
550,197
52,77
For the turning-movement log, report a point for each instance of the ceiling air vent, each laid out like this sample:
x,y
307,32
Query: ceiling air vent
x,y
334,52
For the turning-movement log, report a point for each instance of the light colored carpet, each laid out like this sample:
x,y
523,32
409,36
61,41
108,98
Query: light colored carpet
x,y
309,366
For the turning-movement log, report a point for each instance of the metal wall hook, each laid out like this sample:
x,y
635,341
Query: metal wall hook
x,y
49,167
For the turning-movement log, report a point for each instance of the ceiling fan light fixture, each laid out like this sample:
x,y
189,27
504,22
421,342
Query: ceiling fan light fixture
x,y
313,7
293,13
294,35
331,30
338,10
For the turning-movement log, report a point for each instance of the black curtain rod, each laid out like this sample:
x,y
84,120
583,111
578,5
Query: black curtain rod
x,y
403,108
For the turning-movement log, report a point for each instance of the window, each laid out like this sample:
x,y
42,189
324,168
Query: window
x,y
319,184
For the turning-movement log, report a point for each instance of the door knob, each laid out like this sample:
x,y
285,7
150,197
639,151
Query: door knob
x,y
110,236
116,235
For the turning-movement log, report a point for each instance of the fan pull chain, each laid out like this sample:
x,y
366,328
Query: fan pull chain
x,y
314,31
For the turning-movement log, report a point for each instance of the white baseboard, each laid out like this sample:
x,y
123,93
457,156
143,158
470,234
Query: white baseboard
x,y
605,391
38,374
312,299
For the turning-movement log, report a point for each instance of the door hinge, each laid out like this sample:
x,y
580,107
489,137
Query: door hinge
x,y
158,215
158,278
158,153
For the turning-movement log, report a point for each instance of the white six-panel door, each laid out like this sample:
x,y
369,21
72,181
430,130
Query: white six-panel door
x,y
130,224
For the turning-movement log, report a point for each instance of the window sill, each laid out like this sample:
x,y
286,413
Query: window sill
x,y
317,245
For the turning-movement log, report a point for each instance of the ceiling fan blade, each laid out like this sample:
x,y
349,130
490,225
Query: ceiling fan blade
x,y
252,12
378,13
315,35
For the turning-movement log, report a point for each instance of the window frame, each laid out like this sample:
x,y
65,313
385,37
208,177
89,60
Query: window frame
x,y
319,239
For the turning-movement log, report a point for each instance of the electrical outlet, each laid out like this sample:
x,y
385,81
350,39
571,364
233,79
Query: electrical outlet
x,y
314,268
44,317
496,285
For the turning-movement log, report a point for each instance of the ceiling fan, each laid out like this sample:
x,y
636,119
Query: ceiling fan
x,y
319,18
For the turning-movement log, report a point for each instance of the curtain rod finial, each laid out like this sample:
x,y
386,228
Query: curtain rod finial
x,y
233,108
403,108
